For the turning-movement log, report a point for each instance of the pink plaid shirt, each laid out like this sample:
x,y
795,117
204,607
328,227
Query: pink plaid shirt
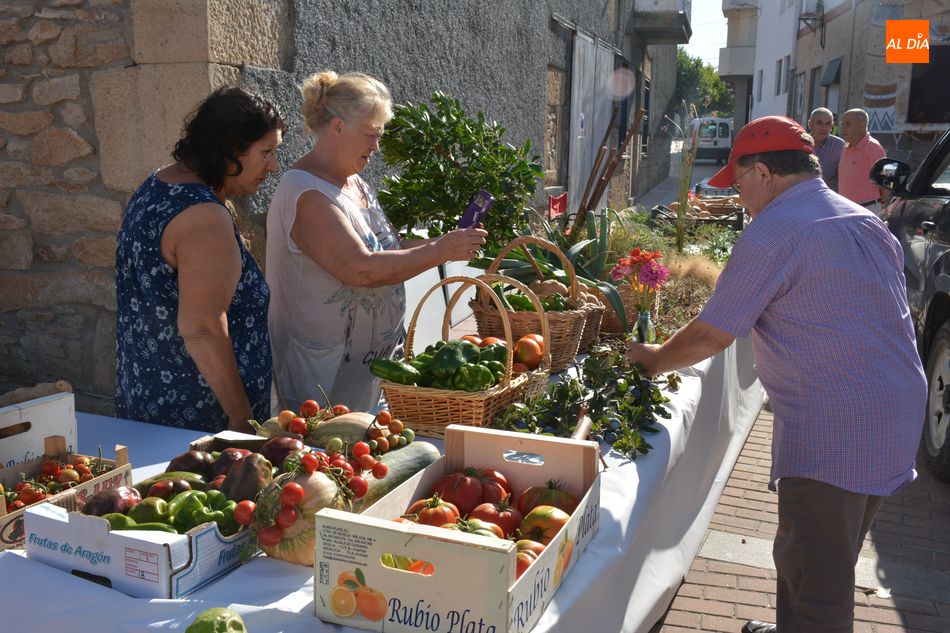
x,y
818,281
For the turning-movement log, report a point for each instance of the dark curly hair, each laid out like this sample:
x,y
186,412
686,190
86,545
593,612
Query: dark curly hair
x,y
220,129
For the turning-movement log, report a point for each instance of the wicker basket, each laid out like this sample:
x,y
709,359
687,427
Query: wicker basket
x,y
566,327
428,411
611,323
537,381
595,317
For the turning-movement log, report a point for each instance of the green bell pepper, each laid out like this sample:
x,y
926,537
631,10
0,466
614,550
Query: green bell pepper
x,y
447,361
119,521
470,351
432,349
496,352
520,303
149,510
182,508
497,368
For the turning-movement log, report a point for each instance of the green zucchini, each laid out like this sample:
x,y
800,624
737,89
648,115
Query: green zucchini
x,y
403,463
394,371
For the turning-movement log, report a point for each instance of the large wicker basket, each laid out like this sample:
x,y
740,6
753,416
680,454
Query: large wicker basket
x,y
566,327
611,322
428,411
595,317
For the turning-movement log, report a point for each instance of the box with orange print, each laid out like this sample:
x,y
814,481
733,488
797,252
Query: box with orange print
x,y
375,573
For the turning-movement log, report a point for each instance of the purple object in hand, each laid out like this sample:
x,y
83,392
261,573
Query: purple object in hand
x,y
476,210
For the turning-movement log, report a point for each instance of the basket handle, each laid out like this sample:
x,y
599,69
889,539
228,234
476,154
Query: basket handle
x,y
573,289
545,327
466,282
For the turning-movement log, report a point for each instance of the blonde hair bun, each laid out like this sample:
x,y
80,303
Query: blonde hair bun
x,y
351,96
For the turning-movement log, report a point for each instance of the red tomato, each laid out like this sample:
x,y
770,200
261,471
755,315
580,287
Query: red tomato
x,y
291,494
340,409
491,340
519,368
434,511
469,488
80,460
360,449
344,465
497,476
380,470
527,352
551,494
310,462
532,547
270,536
423,567
309,408
396,427
471,338
543,523
359,486
50,468
523,560
286,517
384,417
367,462
67,475
502,514
244,512
30,494
298,426
537,338
382,444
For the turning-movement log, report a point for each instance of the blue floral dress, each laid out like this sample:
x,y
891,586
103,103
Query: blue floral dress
x,y
156,380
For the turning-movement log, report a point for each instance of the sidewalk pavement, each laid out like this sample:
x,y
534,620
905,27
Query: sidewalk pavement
x,y
902,580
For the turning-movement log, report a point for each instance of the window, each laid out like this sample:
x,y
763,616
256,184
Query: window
x,y
707,129
814,87
758,88
723,130
778,77
788,74
929,100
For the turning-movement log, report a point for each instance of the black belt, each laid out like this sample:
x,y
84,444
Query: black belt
x,y
869,203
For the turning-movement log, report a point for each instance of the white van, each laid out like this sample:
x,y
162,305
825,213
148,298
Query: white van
x,y
714,137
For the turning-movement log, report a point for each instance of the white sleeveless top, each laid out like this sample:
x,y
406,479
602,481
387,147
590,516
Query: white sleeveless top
x,y
323,332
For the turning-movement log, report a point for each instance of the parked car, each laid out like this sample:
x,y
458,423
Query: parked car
x,y
713,138
703,190
918,213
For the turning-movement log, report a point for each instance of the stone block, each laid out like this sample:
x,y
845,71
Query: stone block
x,y
11,222
218,31
16,250
21,55
17,8
10,31
19,290
17,147
74,115
58,214
16,174
58,146
88,46
11,93
4,199
24,123
79,175
51,253
49,91
139,111
95,252
43,31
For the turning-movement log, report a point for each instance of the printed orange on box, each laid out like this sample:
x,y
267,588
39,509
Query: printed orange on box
x,y
907,42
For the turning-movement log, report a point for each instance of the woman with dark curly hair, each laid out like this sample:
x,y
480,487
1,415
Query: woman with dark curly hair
x,y
191,330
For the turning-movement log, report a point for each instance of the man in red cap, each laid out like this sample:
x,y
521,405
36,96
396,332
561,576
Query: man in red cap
x,y
818,283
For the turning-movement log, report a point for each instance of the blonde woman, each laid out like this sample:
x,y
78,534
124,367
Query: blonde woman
x,y
334,263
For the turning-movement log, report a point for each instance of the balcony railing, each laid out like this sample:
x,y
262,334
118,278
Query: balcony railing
x,y
736,61
662,21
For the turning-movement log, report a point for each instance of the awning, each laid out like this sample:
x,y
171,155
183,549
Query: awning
x,y
832,72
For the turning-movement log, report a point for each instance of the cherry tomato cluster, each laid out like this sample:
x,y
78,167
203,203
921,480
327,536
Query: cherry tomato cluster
x,y
310,415
55,476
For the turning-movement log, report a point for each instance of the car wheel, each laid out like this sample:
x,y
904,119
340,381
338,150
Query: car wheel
x,y
936,438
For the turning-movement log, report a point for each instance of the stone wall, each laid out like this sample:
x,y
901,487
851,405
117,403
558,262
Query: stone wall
x,y
58,219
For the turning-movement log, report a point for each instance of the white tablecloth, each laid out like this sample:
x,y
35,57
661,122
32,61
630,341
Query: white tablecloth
x,y
654,514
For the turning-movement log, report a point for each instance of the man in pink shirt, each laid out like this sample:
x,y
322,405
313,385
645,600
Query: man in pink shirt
x,y
857,158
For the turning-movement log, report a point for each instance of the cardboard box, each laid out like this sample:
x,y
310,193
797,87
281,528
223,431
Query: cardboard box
x,y
143,564
473,586
24,426
11,523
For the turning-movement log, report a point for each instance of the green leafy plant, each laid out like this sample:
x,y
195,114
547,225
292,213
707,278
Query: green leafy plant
x,y
445,157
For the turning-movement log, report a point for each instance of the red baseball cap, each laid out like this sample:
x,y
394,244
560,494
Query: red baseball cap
x,y
766,134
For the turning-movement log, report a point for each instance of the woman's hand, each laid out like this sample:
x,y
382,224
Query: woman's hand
x,y
461,244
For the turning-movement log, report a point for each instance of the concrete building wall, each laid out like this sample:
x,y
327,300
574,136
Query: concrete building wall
x,y
775,37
